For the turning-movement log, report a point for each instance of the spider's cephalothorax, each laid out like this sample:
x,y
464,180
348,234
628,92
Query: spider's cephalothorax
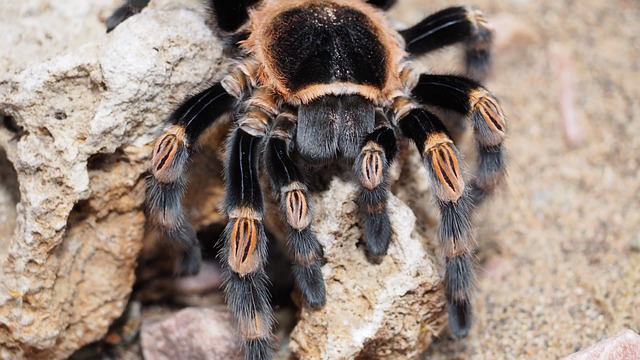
x,y
329,82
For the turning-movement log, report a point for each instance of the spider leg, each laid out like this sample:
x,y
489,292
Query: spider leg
x,y
450,26
129,8
244,248
442,160
231,15
165,186
469,98
288,183
383,4
372,168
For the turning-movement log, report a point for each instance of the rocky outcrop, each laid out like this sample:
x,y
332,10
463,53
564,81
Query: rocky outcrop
x,y
76,133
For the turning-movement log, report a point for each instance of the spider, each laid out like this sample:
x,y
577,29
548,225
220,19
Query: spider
x,y
328,83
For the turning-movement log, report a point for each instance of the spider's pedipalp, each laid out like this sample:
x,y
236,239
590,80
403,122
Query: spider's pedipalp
x,y
333,127
372,169
295,201
442,160
459,283
469,98
450,26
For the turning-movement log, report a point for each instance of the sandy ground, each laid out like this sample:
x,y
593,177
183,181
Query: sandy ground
x,y
559,248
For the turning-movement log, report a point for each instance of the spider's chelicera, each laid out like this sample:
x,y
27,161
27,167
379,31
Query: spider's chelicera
x,y
324,82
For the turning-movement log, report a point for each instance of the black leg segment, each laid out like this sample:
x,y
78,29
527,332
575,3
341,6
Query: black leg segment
x,y
450,26
383,4
129,8
231,15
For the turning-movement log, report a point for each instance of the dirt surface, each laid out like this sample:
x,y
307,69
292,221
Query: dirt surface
x,y
559,247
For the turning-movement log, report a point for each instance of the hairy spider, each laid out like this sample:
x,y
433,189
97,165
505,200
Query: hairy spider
x,y
328,82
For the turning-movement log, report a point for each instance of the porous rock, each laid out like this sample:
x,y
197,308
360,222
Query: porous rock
x,y
389,310
76,131
192,333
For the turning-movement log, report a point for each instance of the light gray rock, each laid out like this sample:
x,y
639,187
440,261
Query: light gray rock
x,y
87,118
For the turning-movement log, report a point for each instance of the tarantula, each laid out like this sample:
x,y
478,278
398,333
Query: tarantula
x,y
324,82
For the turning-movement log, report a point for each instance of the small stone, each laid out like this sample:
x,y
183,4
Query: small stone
x,y
192,333
623,345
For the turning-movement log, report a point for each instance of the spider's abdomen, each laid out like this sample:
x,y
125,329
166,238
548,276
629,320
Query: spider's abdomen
x,y
312,48
324,44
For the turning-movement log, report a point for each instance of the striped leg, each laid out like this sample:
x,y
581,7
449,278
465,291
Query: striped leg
x,y
450,26
372,169
287,181
469,98
165,186
441,158
245,246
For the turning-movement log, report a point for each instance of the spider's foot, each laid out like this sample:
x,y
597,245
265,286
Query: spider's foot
x,y
459,277
311,283
258,349
308,259
128,9
377,232
248,300
189,262
459,318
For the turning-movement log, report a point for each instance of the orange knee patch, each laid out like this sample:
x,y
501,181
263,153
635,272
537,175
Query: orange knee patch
x,y
164,155
297,209
244,239
446,168
372,168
